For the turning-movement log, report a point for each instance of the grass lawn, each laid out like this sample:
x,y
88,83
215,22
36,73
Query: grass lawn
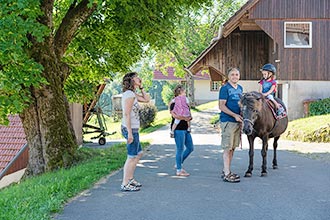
x,y
41,196
310,129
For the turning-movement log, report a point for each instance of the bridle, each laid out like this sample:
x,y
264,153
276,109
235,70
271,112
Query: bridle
x,y
248,120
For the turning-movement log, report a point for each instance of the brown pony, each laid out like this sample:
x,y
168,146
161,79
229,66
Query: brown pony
x,y
259,121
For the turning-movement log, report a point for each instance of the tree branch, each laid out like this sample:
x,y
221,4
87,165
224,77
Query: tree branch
x,y
73,19
47,8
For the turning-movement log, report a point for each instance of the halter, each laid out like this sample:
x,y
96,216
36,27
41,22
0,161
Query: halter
x,y
248,120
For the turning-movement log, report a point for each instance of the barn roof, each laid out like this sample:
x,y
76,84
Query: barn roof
x,y
238,19
158,75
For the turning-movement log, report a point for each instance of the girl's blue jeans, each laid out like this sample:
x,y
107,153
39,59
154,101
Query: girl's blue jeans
x,y
184,146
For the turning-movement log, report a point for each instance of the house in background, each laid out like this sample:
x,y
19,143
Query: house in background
x,y
293,35
205,90
14,151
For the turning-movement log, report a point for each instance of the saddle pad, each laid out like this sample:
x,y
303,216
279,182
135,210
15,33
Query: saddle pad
x,y
272,108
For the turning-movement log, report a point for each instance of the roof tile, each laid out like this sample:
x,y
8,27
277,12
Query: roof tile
x,y
12,140
158,75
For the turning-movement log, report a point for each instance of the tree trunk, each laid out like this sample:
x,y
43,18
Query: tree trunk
x,y
47,121
190,89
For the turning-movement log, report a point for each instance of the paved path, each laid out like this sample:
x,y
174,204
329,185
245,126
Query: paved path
x,y
299,189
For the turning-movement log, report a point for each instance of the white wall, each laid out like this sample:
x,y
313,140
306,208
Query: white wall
x,y
203,93
298,91
294,93
12,178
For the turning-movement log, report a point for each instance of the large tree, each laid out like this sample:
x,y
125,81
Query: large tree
x,y
55,50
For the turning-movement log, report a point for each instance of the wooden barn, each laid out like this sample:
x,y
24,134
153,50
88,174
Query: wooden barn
x,y
292,34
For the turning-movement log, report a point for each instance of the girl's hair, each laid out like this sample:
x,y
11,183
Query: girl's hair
x,y
272,76
128,82
177,90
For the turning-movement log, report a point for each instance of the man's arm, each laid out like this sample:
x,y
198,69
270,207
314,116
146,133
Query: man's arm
x,y
223,108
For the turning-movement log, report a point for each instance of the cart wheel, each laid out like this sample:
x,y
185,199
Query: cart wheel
x,y
102,141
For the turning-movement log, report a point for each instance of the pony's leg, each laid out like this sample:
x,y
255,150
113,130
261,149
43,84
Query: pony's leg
x,y
248,173
275,152
264,156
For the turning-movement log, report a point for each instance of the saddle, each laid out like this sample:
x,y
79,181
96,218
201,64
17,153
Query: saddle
x,y
273,109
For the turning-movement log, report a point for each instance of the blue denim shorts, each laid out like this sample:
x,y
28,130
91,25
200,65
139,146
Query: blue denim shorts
x,y
134,148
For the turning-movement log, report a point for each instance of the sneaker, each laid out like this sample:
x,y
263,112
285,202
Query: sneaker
x,y
129,188
135,183
278,112
172,134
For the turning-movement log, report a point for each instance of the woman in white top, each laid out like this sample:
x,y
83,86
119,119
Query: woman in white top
x,y
130,128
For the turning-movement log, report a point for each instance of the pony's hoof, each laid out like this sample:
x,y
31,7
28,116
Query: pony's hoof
x,y
275,167
248,174
263,174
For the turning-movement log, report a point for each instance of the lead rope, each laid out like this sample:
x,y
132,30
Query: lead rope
x,y
241,131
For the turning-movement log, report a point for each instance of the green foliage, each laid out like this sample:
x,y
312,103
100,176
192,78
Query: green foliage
x,y
310,129
117,36
193,33
147,113
321,107
18,71
168,92
114,37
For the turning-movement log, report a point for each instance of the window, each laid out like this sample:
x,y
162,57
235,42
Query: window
x,y
215,85
298,34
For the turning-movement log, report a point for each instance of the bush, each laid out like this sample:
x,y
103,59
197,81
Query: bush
x,y
147,114
168,92
321,107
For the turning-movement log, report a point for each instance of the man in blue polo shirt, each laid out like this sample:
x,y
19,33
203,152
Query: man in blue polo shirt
x,y
230,120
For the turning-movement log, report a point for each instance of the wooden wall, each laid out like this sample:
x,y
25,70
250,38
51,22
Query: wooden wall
x,y
249,50
246,50
20,163
302,63
291,9
297,63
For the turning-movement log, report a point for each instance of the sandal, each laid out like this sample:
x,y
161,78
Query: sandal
x,y
231,178
135,183
223,175
129,188
182,173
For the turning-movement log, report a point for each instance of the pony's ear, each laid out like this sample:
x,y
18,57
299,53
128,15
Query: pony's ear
x,y
257,95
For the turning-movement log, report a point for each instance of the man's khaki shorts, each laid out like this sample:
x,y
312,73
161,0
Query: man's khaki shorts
x,y
230,135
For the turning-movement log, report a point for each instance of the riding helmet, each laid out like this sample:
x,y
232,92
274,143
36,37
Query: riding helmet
x,y
269,67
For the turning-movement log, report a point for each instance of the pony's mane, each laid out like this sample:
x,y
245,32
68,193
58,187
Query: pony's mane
x,y
248,99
